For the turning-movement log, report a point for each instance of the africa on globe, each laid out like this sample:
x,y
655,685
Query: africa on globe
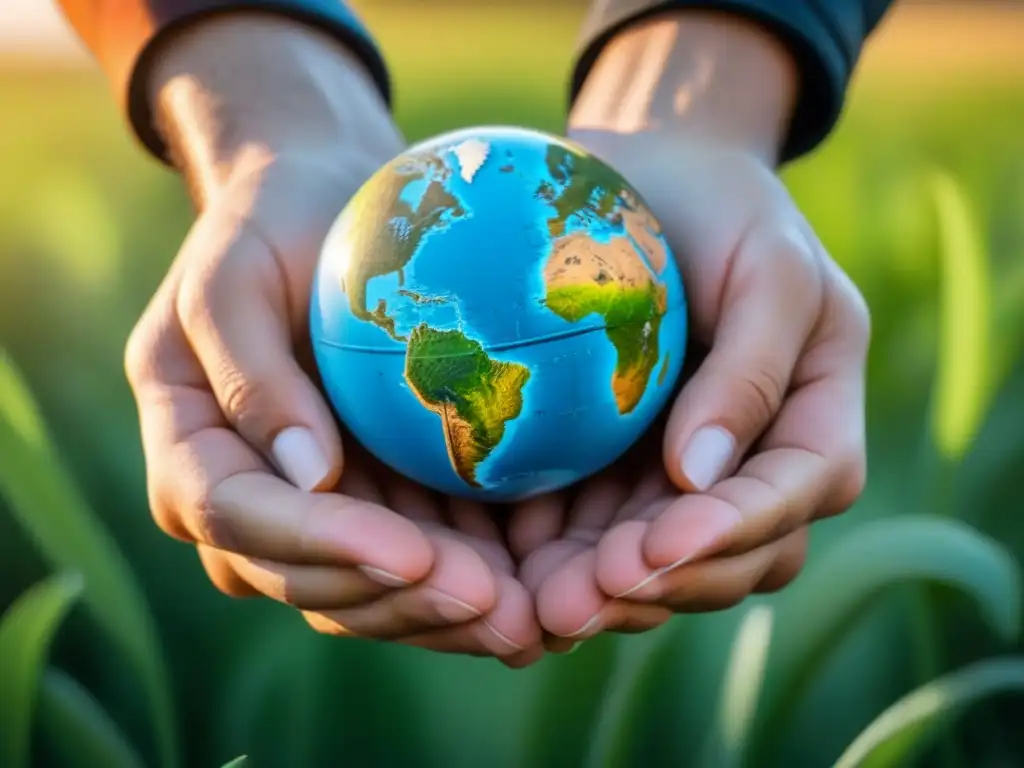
x,y
496,314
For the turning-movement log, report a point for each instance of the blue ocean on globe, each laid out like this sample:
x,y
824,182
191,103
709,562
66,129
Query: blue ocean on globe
x,y
496,314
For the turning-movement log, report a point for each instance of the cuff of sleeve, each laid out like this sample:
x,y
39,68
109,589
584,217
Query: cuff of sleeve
x,y
134,37
824,61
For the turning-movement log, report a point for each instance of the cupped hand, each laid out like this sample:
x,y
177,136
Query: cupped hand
x,y
766,435
245,461
244,458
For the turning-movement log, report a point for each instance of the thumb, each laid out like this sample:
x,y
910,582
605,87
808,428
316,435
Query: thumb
x,y
768,309
233,308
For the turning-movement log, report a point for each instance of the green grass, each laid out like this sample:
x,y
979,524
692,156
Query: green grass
x,y
918,198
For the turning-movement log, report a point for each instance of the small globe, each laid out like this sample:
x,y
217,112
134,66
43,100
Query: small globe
x,y
496,314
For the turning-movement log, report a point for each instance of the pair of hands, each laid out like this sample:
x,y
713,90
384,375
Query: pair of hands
x,y
245,460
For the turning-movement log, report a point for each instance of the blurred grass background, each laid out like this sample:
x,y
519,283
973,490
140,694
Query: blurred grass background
x,y
920,196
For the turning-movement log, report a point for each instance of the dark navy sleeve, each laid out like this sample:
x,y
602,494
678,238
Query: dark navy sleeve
x,y
123,36
825,38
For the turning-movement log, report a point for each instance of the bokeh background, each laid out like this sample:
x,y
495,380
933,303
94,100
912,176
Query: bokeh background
x,y
115,650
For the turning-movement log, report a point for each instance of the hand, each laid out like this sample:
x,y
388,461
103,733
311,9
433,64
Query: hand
x,y
219,363
768,433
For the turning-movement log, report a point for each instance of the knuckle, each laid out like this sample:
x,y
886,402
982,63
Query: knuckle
x,y
850,313
240,396
249,404
849,483
140,353
164,511
211,525
857,319
762,392
794,253
225,581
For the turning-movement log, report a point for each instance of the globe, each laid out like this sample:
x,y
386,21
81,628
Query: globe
x,y
496,314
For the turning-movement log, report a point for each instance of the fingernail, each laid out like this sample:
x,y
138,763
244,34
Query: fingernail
x,y
497,642
383,577
637,588
707,456
589,629
299,457
453,610
702,534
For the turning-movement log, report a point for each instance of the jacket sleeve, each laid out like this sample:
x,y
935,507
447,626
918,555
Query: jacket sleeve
x,y
123,36
825,38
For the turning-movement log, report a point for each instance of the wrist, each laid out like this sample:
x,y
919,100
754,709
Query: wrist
x,y
242,89
710,77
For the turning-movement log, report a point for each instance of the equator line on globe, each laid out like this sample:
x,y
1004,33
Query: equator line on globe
x,y
497,314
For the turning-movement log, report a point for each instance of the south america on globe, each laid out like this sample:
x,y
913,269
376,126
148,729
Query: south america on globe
x,y
496,314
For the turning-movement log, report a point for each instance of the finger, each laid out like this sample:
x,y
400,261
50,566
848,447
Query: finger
x,y
511,629
234,308
652,486
493,635
411,500
480,638
263,517
788,564
460,588
569,602
637,618
766,316
773,494
475,524
307,587
570,606
222,575
359,483
812,464
536,522
717,583
591,512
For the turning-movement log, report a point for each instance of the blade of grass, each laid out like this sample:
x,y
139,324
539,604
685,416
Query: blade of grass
x,y
726,746
26,631
50,508
963,387
906,728
237,762
879,555
76,730
963,381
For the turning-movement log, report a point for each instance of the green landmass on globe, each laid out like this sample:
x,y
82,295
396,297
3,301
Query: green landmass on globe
x,y
585,276
392,230
452,374
474,395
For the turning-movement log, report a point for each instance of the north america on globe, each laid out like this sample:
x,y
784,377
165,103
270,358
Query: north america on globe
x,y
521,295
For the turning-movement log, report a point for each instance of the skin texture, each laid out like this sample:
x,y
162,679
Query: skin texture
x,y
274,128
780,341
243,456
